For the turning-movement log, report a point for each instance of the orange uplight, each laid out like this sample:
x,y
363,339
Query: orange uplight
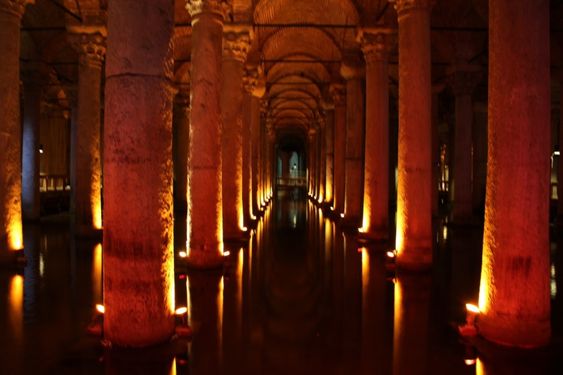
x,y
15,234
472,308
226,253
181,310
470,361
100,308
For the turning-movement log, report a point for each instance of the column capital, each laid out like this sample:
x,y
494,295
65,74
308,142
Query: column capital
x,y
14,7
236,42
196,8
253,81
352,68
376,43
91,46
338,93
404,6
464,79
182,94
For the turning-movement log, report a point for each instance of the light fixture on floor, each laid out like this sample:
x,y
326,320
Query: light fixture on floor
x,y
183,254
100,308
469,329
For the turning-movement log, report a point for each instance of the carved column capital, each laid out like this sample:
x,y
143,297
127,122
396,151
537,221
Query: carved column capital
x,y
236,42
14,7
405,6
463,80
338,93
91,47
196,8
376,43
352,67
253,81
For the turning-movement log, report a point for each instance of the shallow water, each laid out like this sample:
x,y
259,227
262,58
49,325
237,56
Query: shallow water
x,y
302,297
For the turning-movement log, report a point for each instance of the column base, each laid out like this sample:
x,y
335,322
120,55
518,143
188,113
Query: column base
x,y
86,232
13,258
515,331
238,238
202,260
374,237
417,260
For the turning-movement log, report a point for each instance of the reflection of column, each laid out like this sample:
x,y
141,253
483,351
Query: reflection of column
x,y
86,176
338,93
463,81
30,151
414,216
516,234
236,42
412,310
353,75
204,172
138,240
375,44
181,146
11,12
206,312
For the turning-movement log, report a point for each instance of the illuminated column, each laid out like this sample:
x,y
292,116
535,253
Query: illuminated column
x,y
30,151
181,146
311,155
256,89
463,81
11,237
353,75
479,156
236,42
329,144
414,213
86,172
322,160
436,89
204,172
270,154
516,234
338,93
138,260
375,45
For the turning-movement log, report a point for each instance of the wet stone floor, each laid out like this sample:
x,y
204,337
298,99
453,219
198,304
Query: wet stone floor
x,y
303,297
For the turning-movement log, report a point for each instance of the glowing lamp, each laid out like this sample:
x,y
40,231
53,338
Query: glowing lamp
x,y
100,308
472,308
391,254
469,329
183,254
181,310
342,215
226,253
470,361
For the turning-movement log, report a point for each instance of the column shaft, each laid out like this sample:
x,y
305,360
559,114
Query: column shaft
x,y
11,236
86,175
414,216
30,152
354,149
181,147
204,174
329,165
338,92
516,234
376,167
138,208
235,48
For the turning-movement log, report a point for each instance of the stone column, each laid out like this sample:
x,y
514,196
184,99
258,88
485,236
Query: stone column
x,y
236,42
414,213
516,234
270,153
311,157
204,172
338,93
463,80
181,146
353,73
479,157
321,159
435,163
375,44
138,259
11,236
255,89
329,148
86,174
30,151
